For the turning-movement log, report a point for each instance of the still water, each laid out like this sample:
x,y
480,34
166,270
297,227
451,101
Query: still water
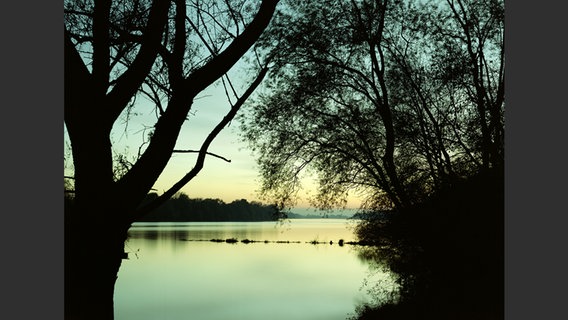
x,y
174,272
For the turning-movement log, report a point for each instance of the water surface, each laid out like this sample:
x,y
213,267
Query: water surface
x,y
174,272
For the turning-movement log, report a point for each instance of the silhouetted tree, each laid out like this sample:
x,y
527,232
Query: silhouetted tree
x,y
393,99
328,105
115,53
471,36
440,122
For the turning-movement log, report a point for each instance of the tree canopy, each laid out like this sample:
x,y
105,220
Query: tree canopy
x,y
390,99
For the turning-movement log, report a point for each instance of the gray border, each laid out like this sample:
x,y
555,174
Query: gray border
x,y
535,185
32,148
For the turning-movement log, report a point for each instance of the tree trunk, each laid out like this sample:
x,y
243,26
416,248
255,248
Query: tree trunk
x,y
93,254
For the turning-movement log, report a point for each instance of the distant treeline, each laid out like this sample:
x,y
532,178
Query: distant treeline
x,y
182,208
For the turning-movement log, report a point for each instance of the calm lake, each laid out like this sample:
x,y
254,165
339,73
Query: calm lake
x,y
175,272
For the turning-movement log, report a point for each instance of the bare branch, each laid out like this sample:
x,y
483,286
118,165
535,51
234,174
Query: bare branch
x,y
129,82
220,64
176,68
205,43
220,25
226,91
233,16
101,46
155,97
197,151
203,150
200,17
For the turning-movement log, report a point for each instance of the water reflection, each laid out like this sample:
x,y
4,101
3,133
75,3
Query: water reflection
x,y
382,285
173,278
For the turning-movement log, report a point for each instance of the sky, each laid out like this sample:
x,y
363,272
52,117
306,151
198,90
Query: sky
x,y
238,179
219,179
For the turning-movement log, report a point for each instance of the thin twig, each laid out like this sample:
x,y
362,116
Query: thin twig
x,y
208,153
